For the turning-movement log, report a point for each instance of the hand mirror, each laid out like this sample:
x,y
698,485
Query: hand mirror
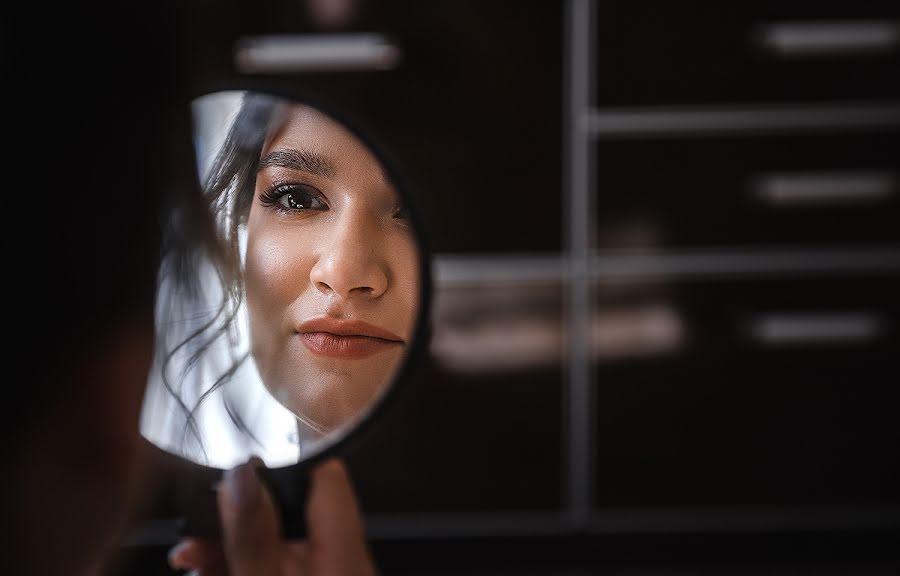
x,y
281,332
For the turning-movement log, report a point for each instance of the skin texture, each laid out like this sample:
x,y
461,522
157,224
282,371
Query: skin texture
x,y
251,545
326,238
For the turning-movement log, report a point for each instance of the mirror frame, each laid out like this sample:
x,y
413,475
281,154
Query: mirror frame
x,y
193,482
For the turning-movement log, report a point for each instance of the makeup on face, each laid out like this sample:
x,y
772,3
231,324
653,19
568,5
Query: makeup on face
x,y
351,339
330,289
332,264
289,338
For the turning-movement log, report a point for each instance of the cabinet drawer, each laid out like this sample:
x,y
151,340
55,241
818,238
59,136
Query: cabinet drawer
x,y
649,53
830,188
777,393
448,445
471,113
480,425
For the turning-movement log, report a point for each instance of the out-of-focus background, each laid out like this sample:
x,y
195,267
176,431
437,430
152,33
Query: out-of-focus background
x,y
667,264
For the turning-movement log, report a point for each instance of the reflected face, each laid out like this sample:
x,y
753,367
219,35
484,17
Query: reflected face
x,y
331,272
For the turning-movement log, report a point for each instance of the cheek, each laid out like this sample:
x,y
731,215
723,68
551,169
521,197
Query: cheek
x,y
406,273
276,275
277,270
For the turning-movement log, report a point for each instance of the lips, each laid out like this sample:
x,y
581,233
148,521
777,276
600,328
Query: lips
x,y
351,339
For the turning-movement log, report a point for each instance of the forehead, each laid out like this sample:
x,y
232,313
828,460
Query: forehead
x,y
307,129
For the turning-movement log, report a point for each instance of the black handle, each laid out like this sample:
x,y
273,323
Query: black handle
x,y
288,486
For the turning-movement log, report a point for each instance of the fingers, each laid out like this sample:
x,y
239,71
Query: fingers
x,y
334,523
200,555
295,559
250,532
251,536
332,514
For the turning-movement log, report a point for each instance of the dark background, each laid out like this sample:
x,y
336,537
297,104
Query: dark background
x,y
722,455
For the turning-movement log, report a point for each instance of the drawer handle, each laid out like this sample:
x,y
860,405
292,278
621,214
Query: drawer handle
x,y
297,53
835,38
812,328
730,120
816,188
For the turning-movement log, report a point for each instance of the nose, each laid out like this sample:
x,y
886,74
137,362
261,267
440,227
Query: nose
x,y
350,262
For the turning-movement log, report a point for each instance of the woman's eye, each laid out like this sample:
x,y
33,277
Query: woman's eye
x,y
299,198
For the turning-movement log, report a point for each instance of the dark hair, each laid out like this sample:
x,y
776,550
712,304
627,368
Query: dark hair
x,y
228,194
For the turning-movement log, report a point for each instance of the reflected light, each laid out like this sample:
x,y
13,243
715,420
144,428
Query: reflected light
x,y
810,328
315,53
808,188
834,38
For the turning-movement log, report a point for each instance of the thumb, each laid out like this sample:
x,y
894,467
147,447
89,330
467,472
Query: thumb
x,y
249,523
335,525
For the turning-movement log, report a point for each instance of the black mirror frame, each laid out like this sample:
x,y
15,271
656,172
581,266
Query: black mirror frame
x,y
195,492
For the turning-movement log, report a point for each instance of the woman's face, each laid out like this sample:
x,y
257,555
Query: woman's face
x,y
331,271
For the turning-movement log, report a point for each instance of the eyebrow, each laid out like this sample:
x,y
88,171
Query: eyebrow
x,y
302,160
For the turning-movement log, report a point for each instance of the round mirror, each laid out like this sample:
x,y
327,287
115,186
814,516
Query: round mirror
x,y
283,328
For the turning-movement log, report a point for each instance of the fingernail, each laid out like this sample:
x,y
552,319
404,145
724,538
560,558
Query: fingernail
x,y
176,556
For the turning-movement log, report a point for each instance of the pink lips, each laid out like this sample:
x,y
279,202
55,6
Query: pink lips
x,y
352,339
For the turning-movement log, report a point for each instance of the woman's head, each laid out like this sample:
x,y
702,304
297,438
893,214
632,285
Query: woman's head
x,y
331,267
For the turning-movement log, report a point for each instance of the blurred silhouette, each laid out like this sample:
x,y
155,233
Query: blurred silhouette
x,y
101,161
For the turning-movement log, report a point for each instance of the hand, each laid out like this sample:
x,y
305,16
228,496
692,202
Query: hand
x,y
251,544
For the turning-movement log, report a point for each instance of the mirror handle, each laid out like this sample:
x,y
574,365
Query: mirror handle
x,y
289,487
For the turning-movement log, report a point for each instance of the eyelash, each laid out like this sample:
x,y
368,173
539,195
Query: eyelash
x,y
272,196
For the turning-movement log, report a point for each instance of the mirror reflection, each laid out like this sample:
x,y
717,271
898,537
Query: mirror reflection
x,y
280,338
